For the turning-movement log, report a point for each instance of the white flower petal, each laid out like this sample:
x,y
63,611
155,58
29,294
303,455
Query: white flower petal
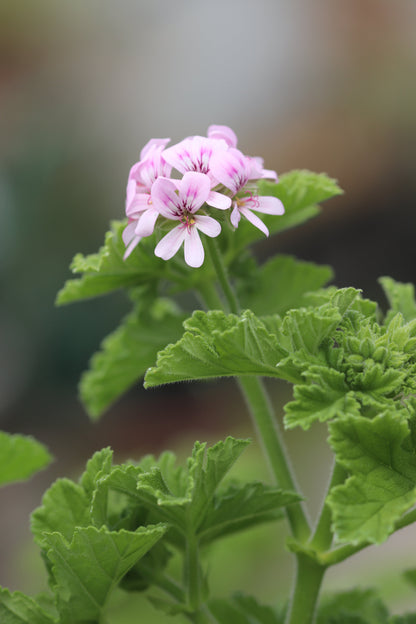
x,y
194,250
207,225
268,205
254,219
193,190
235,216
129,232
165,199
134,242
223,132
169,245
218,200
147,221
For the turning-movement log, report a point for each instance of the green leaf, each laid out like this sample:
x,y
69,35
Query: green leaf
x,y
20,457
65,506
357,606
17,608
242,506
185,499
322,397
241,609
280,285
410,618
217,345
401,298
88,568
382,485
97,467
300,192
126,354
106,270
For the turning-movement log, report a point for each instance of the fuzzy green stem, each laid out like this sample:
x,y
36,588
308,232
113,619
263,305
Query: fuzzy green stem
x,y
193,574
262,413
264,420
323,535
222,276
309,575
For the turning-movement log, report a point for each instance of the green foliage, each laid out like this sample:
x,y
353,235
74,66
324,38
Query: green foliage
x,y
401,298
119,524
300,192
382,484
280,285
20,457
127,353
16,608
241,609
358,606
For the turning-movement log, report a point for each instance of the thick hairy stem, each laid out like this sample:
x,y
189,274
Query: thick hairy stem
x,y
309,575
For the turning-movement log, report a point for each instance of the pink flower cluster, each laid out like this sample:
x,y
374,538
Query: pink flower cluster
x,y
215,174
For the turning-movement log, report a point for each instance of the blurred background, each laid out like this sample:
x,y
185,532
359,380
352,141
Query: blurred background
x,y
320,85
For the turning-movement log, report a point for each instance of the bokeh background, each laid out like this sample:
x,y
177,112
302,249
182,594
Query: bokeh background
x,y
324,85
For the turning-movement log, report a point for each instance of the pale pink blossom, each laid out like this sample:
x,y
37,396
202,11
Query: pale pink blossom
x,y
194,154
234,170
179,200
223,132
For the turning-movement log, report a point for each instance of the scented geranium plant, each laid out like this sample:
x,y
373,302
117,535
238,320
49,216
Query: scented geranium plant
x,y
193,210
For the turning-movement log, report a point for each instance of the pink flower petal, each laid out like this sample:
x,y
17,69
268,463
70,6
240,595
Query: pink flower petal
x,y
139,203
218,200
194,190
129,232
169,245
165,198
150,145
268,205
207,225
133,244
254,219
146,223
231,168
193,248
235,216
223,132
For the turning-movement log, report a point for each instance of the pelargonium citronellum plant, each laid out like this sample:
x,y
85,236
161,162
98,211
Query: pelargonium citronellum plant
x,y
193,210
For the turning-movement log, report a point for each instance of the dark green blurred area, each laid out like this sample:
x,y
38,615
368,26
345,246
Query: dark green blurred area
x,y
329,87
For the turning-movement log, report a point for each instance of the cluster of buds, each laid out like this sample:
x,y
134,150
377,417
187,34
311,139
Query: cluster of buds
x,y
215,175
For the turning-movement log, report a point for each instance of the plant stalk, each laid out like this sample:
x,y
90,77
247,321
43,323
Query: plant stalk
x,y
309,575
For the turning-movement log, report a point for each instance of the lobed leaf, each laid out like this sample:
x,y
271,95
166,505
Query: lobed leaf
x,y
20,457
242,609
281,284
17,608
125,355
382,485
88,568
357,606
300,191
106,271
401,298
217,345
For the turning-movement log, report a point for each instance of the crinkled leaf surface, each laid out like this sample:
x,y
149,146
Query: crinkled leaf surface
x,y
401,298
126,354
280,284
215,345
65,506
88,568
17,608
358,606
20,457
382,485
106,271
242,609
239,507
300,191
